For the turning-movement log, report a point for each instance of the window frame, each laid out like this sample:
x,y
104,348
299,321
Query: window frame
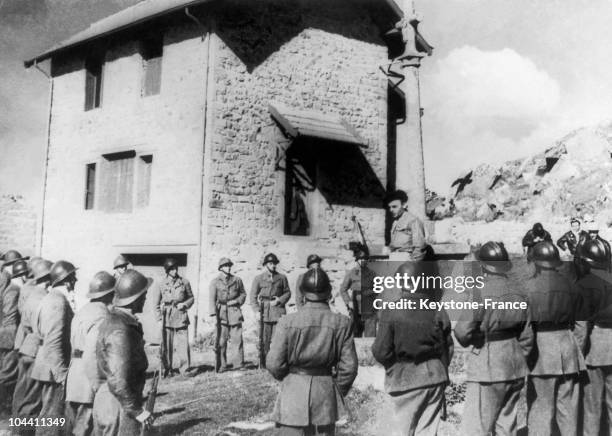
x,y
95,60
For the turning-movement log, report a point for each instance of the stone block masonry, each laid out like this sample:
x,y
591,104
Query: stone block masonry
x,y
17,225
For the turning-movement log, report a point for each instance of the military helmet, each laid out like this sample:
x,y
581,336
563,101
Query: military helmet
x,y
546,255
594,253
20,268
225,261
494,257
41,269
271,257
34,260
315,283
120,261
102,284
60,271
129,287
170,263
313,258
12,256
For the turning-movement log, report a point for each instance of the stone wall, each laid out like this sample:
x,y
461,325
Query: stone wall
x,y
17,225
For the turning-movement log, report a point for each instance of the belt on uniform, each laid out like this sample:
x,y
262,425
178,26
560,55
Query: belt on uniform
x,y
168,303
500,335
77,354
310,371
266,298
552,327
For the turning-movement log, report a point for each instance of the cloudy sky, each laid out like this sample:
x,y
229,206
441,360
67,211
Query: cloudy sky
x,y
508,77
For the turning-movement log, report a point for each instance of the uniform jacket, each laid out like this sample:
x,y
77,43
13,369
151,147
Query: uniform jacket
x,y
121,357
597,327
24,293
268,285
529,241
569,241
554,300
313,338
172,292
229,295
53,326
299,297
29,317
82,374
361,282
9,297
500,359
415,346
407,233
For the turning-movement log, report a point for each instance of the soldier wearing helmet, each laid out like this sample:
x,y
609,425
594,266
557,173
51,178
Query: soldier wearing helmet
x,y
591,234
596,288
270,289
118,407
501,340
120,266
416,347
533,236
227,295
27,399
553,383
359,280
175,298
313,355
82,380
313,261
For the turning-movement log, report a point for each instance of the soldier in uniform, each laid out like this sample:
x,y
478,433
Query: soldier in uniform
x,y
227,295
597,291
313,261
407,230
533,236
553,384
313,355
501,340
569,241
175,298
120,266
52,325
270,289
122,362
591,235
83,336
415,347
27,399
359,280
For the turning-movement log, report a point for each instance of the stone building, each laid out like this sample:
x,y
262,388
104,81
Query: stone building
x,y
213,128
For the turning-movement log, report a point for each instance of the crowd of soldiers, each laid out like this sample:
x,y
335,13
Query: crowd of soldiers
x,y
89,368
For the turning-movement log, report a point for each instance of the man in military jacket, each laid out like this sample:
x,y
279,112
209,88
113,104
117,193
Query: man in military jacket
x,y
271,290
80,388
175,298
27,399
312,261
415,347
596,287
359,280
569,241
534,236
407,230
313,355
227,295
501,340
118,407
553,384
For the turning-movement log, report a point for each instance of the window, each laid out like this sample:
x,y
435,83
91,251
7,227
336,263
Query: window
x,y
117,182
90,185
93,82
151,50
143,190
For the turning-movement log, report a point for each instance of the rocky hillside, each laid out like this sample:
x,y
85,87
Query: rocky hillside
x,y
572,178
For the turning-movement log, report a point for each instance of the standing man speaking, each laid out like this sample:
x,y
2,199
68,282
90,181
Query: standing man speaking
x,y
407,231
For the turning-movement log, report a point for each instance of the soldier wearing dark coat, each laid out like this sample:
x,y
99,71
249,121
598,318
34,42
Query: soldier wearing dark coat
x,y
313,261
569,241
122,362
553,384
415,346
313,355
175,298
227,295
596,287
533,236
271,290
500,341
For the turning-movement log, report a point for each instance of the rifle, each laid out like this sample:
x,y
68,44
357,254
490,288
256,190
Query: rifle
x,y
361,234
218,340
150,404
262,353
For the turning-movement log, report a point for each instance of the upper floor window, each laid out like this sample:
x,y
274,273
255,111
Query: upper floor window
x,y
151,50
90,185
93,81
